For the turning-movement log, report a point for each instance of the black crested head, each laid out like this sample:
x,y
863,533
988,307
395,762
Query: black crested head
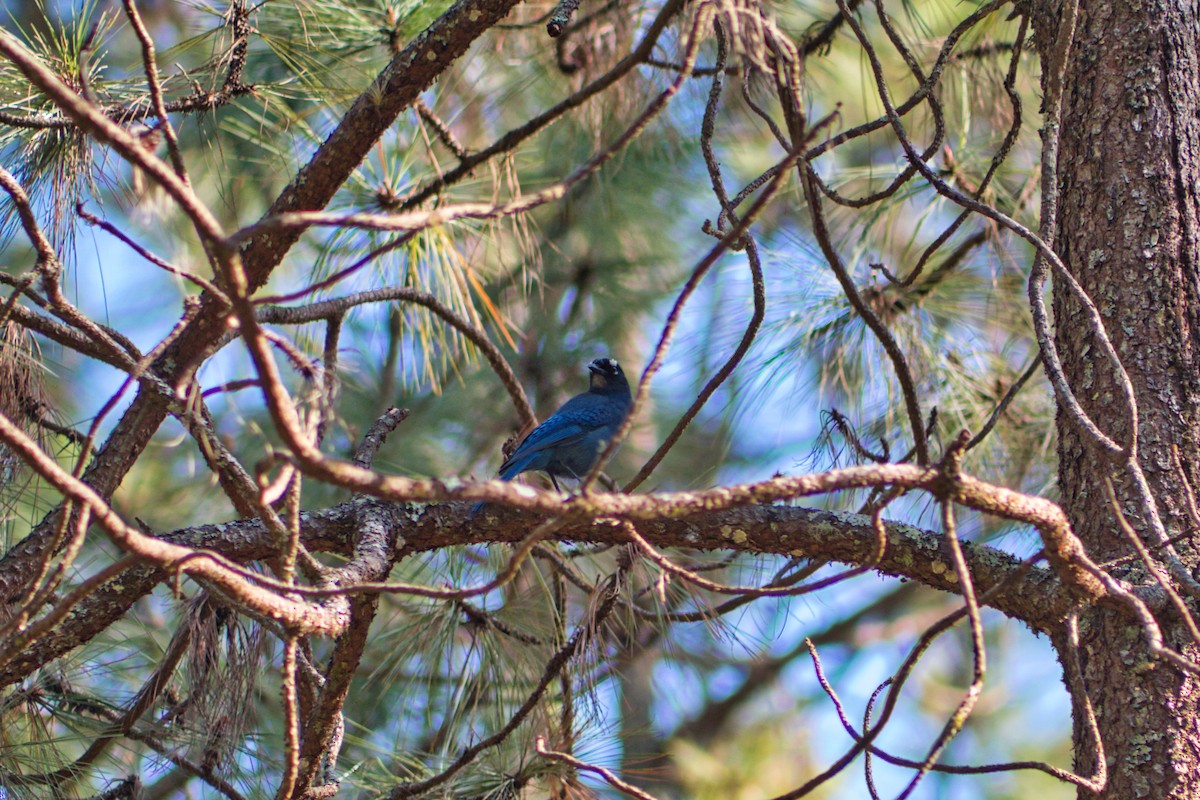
x,y
606,376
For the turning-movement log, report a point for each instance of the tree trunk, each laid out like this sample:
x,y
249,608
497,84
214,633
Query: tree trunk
x,y
1128,229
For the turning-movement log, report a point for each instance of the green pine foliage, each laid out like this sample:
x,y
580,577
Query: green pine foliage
x,y
590,275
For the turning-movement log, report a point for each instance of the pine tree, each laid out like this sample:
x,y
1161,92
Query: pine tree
x,y
907,296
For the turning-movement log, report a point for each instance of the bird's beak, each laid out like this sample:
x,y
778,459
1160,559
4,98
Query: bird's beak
x,y
596,379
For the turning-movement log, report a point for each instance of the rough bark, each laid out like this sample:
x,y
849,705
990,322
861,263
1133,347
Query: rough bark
x,y
1034,595
1128,229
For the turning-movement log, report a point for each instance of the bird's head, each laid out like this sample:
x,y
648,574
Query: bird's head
x,y
606,376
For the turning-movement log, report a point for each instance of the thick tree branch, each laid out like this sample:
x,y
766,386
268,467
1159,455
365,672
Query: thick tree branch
x,y
1039,598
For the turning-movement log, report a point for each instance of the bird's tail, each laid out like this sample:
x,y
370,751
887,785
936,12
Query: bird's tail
x,y
475,509
512,468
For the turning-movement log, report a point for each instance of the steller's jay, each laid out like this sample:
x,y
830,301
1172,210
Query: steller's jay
x,y
568,443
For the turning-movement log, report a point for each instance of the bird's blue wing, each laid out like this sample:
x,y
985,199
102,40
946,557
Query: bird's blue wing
x,y
578,417
537,446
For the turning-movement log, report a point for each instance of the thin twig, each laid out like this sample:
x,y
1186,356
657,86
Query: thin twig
x,y
376,435
113,230
607,775
150,65
1152,566
291,721
1004,403
899,361
979,662
444,134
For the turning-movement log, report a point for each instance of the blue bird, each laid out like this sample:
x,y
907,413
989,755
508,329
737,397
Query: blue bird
x,y
568,443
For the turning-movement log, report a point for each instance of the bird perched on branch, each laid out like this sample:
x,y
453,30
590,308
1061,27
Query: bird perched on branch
x,y
568,443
